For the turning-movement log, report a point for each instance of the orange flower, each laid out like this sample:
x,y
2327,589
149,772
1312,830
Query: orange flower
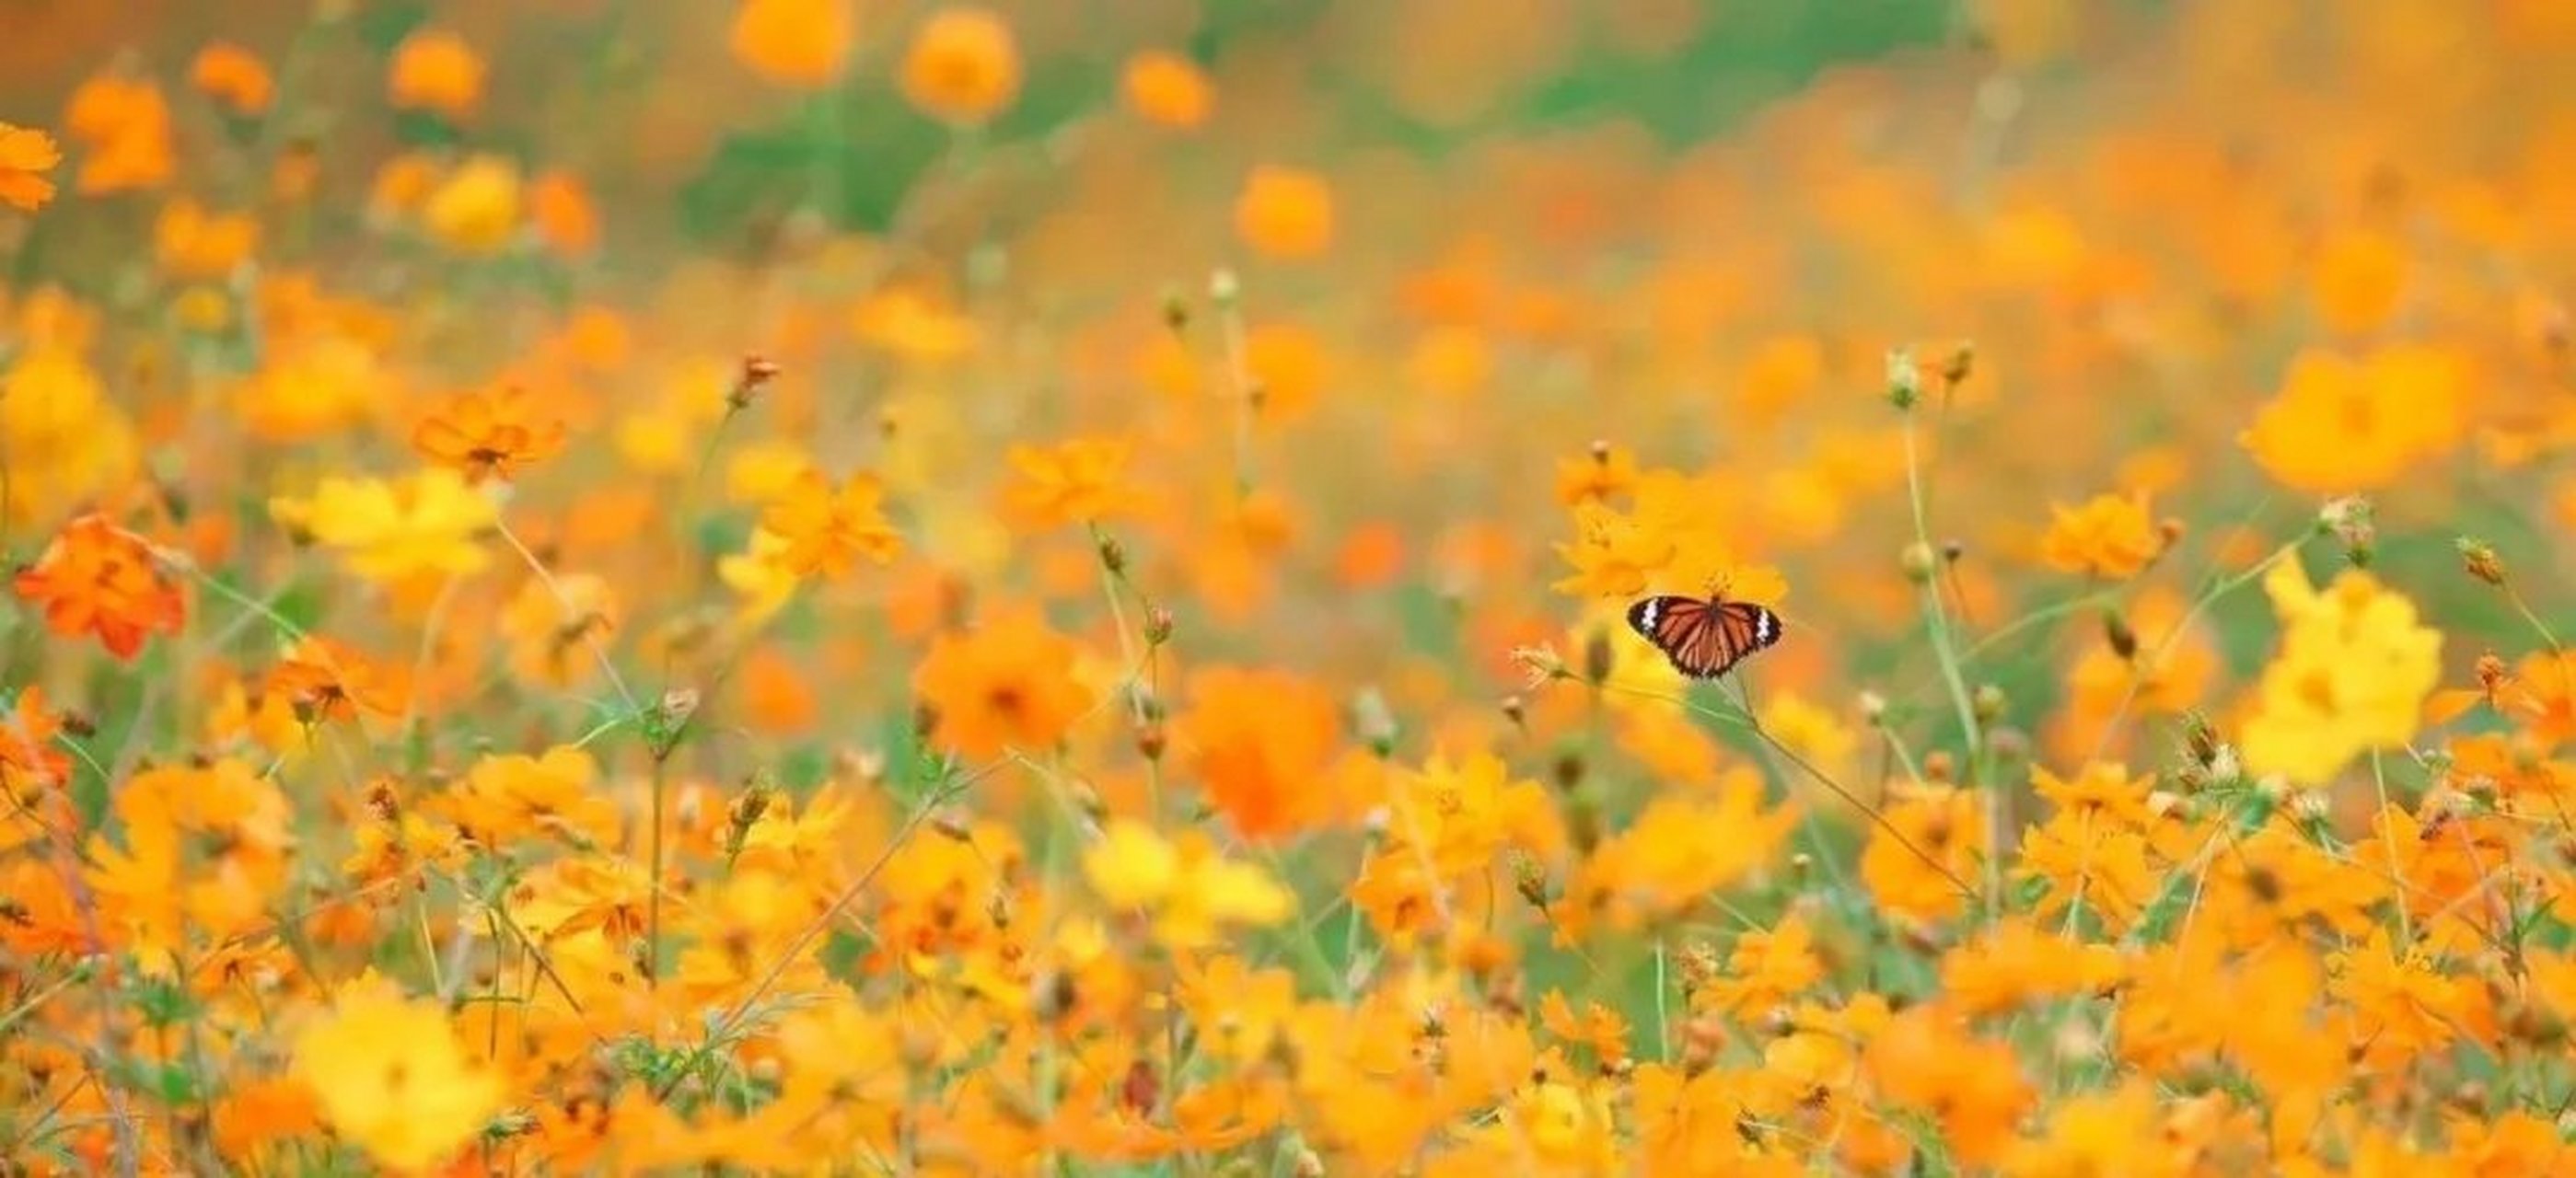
x,y
26,154
827,531
2109,537
1079,481
799,43
125,123
1262,739
1166,88
2342,425
963,67
231,75
195,244
1943,837
565,215
29,762
97,578
326,679
1285,212
488,435
435,70
1006,684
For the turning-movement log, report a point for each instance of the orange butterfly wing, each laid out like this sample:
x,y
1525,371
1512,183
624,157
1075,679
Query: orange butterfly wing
x,y
1704,638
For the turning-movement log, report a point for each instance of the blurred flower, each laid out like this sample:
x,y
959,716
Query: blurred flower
x,y
2359,278
326,679
963,66
914,325
1259,741
488,435
475,210
2354,669
311,384
65,441
799,43
1285,212
125,125
1006,684
567,219
1190,892
1608,471
1167,88
231,75
1082,480
429,522
550,628
826,531
1931,839
2111,537
26,154
393,1079
435,70
2341,425
97,578
192,243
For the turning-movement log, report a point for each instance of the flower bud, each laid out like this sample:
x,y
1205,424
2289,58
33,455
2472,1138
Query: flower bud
x,y
1917,562
1904,379
2479,558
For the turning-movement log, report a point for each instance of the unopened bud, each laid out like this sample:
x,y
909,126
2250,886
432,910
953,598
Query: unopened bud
x,y
1597,656
1158,625
1917,562
1873,708
1904,379
757,372
1224,288
2116,631
1113,556
1962,361
1516,711
1176,310
1987,702
2479,558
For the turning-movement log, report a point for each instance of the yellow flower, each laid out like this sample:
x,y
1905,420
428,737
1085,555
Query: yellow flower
x,y
64,440
391,531
760,575
1189,889
476,209
392,1078
313,385
2355,666
2110,537
1131,866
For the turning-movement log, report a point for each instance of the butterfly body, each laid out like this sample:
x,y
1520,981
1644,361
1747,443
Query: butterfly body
x,y
1704,637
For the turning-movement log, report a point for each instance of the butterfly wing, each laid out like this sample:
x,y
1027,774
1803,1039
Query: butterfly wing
x,y
1704,639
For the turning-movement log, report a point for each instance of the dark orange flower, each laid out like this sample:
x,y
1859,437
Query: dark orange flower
x,y
435,70
488,435
963,67
565,215
1006,684
1285,212
230,74
26,154
1166,88
794,42
125,124
327,679
99,578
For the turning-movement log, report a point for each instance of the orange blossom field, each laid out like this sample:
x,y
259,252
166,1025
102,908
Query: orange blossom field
x,y
866,587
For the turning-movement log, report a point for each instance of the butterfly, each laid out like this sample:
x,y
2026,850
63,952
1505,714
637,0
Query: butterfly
x,y
1704,637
